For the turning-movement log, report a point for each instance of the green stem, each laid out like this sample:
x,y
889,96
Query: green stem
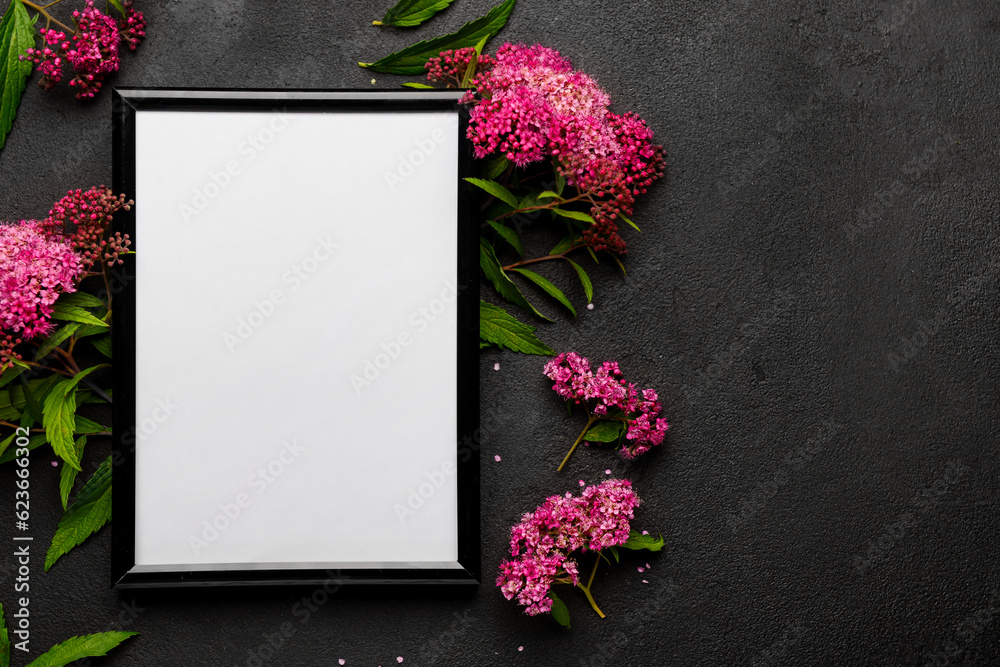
x,y
590,422
547,258
586,589
48,17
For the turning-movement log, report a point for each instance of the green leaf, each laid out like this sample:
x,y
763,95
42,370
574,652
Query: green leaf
x,y
562,246
85,426
573,215
103,345
16,35
89,511
638,542
59,417
4,641
620,265
31,404
81,300
496,167
626,219
548,194
593,255
501,281
549,288
497,326
605,430
7,453
495,189
117,5
84,646
10,374
67,475
412,59
560,183
509,235
75,314
588,287
409,13
559,611
484,343
614,552
91,330
470,69
417,85
56,339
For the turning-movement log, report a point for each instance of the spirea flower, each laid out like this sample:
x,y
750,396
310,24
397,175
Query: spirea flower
x,y
544,542
84,215
91,51
605,394
35,268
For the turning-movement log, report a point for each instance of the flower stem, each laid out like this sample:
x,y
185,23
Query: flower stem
x,y
547,258
48,17
586,589
590,422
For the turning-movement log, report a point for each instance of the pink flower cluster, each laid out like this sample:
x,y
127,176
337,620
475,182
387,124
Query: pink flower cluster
x,y
35,268
450,67
612,397
532,105
544,541
85,216
92,51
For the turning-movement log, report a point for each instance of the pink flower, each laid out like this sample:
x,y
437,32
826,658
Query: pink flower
x,y
35,268
606,395
545,540
84,215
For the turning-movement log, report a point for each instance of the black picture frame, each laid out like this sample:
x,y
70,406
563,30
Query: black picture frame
x,y
133,111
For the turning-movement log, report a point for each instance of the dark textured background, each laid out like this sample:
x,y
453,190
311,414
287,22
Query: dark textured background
x,y
813,294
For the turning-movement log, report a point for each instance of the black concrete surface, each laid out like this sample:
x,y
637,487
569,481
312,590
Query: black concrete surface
x,y
814,294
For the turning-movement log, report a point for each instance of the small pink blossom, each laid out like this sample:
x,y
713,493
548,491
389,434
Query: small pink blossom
x,y
497,458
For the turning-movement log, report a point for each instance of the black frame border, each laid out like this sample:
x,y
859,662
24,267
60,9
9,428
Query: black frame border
x,y
125,103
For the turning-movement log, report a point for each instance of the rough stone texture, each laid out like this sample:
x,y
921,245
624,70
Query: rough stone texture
x,y
832,192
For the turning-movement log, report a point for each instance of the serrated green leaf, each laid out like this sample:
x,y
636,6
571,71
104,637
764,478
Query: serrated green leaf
x,y
604,431
103,345
501,281
626,219
16,36
85,646
4,641
59,417
573,215
8,453
549,288
548,194
497,326
75,314
508,235
495,189
81,300
412,59
418,85
409,13
495,168
90,330
588,287
56,339
484,343
67,475
89,511
86,426
638,542
559,611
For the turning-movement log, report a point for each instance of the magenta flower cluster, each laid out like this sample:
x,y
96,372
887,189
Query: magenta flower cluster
x,y
92,51
606,395
35,268
530,105
545,540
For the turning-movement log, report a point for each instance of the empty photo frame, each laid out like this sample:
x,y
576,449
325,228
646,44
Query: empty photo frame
x,y
296,340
